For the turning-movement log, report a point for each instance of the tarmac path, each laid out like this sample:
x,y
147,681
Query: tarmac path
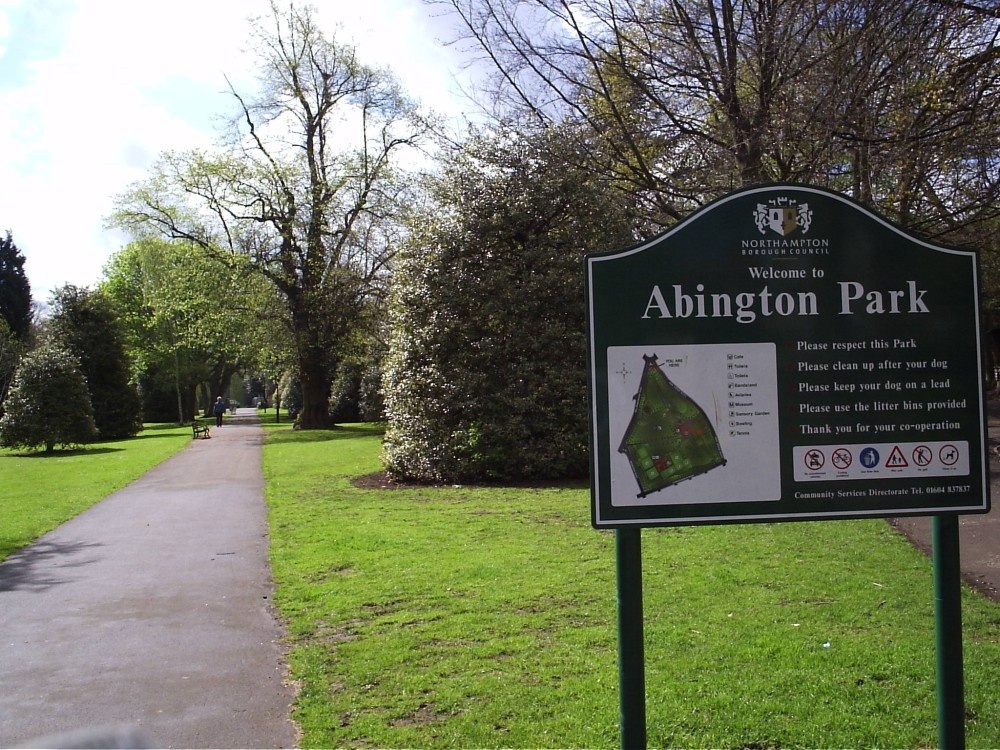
x,y
147,618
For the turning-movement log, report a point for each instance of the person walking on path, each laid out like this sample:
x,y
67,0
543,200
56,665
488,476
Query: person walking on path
x,y
151,613
219,409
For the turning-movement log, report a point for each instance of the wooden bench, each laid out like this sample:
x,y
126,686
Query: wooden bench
x,y
200,430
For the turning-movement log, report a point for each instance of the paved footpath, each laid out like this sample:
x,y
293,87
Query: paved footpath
x,y
148,617
979,534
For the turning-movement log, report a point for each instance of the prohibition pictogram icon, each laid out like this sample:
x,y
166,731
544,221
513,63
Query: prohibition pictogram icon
x,y
842,458
922,455
948,454
814,459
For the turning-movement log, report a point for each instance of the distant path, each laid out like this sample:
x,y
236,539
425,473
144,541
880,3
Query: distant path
x,y
151,611
979,534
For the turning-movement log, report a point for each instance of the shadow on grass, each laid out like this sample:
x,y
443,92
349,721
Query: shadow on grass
x,y
160,426
64,452
33,568
275,433
142,436
381,480
165,430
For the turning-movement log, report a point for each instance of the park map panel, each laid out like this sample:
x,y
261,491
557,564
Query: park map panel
x,y
669,438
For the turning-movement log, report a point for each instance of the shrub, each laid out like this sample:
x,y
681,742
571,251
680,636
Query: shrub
x,y
486,374
48,403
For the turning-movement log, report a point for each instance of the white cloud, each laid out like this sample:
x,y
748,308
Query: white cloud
x,y
405,35
94,90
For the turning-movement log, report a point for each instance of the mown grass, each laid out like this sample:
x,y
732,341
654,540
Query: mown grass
x,y
41,491
485,617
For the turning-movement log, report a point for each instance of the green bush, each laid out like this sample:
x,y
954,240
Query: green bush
x,y
486,374
345,393
48,403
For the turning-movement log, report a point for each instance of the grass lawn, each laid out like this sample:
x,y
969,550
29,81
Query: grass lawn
x,y
485,617
41,491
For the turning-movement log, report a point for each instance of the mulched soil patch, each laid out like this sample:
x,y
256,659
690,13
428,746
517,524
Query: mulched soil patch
x,y
381,480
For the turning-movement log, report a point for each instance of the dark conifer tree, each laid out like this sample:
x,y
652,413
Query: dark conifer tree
x,y
15,291
86,324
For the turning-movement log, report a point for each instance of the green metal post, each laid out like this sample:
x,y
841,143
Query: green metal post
x,y
948,633
631,657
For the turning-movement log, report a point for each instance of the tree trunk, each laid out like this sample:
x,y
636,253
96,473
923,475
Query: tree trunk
x,y
177,386
190,411
218,382
206,398
316,382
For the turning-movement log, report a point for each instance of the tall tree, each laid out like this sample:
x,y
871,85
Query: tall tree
x,y
49,403
895,101
85,323
15,291
304,190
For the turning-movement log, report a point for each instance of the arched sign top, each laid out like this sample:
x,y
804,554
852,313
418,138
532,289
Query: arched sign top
x,y
768,217
809,360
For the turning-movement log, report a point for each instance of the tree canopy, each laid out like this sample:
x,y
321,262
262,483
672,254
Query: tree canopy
x,y
191,317
11,350
893,101
305,189
85,323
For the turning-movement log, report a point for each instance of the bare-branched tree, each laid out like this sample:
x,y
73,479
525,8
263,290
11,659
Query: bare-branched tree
x,y
894,101
305,187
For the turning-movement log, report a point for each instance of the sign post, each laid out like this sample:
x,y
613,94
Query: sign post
x,y
948,633
631,653
785,354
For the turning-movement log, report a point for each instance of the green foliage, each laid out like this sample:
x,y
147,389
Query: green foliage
x,y
189,317
356,395
371,403
486,377
15,291
310,205
289,392
48,403
345,393
11,349
85,323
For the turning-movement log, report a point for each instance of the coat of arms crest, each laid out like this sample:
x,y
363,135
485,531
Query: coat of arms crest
x,y
783,216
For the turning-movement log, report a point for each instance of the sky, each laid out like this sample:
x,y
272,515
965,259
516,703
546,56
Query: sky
x,y
92,91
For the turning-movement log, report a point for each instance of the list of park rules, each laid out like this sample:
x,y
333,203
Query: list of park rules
x,y
877,408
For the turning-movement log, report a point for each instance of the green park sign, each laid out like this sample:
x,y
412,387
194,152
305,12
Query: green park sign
x,y
784,354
